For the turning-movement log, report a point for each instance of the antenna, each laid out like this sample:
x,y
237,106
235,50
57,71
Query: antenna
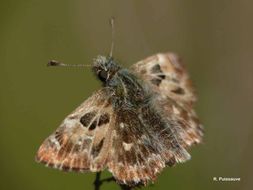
x,y
57,63
112,28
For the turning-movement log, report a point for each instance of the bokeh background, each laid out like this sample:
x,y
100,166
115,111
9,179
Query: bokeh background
x,y
214,38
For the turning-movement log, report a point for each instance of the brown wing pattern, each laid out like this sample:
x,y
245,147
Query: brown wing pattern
x,y
175,95
81,142
142,144
167,76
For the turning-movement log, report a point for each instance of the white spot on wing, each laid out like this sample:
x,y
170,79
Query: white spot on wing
x,y
127,146
68,123
175,110
55,142
121,125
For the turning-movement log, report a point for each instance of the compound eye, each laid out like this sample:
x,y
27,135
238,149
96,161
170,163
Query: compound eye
x,y
102,75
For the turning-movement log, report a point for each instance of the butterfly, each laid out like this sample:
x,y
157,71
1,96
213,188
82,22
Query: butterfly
x,y
139,122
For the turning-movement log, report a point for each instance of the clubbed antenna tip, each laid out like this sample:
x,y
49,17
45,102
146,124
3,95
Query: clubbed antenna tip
x,y
53,63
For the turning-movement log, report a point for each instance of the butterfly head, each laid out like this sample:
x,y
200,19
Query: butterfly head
x,y
105,67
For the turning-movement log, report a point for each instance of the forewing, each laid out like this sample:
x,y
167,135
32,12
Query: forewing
x,y
167,76
81,142
169,80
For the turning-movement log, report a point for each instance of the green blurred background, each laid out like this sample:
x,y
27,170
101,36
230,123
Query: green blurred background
x,y
214,38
